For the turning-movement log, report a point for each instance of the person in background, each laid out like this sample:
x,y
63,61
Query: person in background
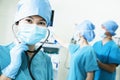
x,y
108,53
31,20
83,59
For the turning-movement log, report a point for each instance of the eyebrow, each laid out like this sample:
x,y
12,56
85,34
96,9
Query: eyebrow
x,y
30,17
33,18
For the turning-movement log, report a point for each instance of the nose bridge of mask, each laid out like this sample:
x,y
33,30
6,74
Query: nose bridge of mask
x,y
25,27
30,27
31,34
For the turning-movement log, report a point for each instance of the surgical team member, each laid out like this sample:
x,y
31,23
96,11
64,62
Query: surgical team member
x,y
31,21
83,59
108,53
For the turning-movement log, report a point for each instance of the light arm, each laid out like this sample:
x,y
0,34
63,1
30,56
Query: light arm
x,y
107,67
90,75
60,41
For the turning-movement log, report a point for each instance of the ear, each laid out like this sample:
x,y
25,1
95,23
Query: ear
x,y
15,27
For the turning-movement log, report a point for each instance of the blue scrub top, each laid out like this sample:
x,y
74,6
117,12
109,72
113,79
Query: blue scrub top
x,y
41,65
108,53
83,60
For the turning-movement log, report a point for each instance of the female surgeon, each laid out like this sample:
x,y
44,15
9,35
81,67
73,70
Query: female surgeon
x,y
83,59
31,21
108,53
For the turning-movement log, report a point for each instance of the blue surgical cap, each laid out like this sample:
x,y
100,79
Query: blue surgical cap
x,y
27,8
111,26
86,28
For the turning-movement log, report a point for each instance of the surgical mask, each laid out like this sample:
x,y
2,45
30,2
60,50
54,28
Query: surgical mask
x,y
102,34
31,34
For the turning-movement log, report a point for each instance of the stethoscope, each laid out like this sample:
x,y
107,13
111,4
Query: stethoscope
x,y
35,52
29,65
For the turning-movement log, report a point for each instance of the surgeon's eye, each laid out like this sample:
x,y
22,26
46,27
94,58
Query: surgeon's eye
x,y
42,23
29,21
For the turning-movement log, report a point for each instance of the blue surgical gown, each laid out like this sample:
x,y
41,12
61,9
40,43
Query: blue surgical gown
x,y
108,53
83,60
41,65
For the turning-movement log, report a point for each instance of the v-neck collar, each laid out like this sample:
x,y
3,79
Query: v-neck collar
x,y
106,43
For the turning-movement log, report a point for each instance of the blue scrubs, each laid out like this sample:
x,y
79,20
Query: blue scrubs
x,y
108,53
41,65
83,60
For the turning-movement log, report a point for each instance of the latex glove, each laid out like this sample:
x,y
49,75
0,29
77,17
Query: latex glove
x,y
16,59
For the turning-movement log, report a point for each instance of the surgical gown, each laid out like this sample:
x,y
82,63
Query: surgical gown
x,y
108,53
41,65
83,60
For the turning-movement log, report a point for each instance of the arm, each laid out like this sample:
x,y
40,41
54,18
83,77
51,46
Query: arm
x,y
16,59
3,77
90,75
107,67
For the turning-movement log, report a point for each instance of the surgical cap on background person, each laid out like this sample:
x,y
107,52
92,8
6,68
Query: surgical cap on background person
x,y
111,26
27,8
86,29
